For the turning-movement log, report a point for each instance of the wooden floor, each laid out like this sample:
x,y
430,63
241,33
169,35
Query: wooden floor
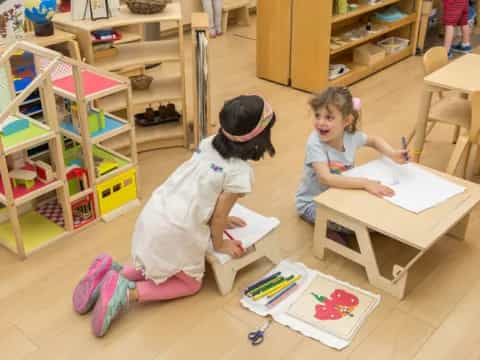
x,y
438,319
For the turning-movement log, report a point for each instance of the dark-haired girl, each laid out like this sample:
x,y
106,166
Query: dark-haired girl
x,y
175,226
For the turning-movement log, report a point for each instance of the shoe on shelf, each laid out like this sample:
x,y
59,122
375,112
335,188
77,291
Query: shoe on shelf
x,y
463,49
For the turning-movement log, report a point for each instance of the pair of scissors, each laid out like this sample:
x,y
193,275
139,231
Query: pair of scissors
x,y
256,337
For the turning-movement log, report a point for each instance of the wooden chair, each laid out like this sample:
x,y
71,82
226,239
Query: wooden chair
x,y
241,9
464,143
451,109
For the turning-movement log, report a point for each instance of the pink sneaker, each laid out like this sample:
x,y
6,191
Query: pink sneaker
x,y
113,298
87,290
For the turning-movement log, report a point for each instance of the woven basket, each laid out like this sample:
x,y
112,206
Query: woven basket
x,y
146,6
141,82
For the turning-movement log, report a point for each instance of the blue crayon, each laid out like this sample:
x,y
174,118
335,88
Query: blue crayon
x,y
261,282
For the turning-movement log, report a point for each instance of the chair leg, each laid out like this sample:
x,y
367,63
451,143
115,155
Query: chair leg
x,y
244,16
456,134
462,149
413,132
224,21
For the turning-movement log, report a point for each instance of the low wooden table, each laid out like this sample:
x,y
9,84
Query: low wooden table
x,y
361,212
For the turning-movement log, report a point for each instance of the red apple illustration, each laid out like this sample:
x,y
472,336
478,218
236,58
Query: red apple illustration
x,y
340,304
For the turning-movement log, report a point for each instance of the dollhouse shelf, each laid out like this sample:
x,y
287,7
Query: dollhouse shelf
x,y
363,9
168,88
137,53
113,127
407,20
95,86
23,195
36,134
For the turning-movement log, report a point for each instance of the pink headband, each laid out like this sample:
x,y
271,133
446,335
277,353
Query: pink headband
x,y
267,116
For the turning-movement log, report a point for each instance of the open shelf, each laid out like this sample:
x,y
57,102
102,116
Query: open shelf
x,y
362,9
35,134
162,89
358,72
407,20
94,85
149,137
145,53
37,232
128,37
113,127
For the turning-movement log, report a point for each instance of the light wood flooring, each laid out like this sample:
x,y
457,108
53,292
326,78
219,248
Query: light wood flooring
x,y
437,320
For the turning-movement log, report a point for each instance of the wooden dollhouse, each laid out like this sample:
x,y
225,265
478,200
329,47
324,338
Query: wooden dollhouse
x,y
77,180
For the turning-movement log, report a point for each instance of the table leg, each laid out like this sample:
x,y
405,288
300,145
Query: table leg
x,y
73,50
320,233
420,127
366,257
460,229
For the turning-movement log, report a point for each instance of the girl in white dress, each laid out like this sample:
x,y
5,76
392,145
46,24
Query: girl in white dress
x,y
175,226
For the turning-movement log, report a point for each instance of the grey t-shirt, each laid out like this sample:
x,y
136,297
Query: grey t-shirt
x,y
338,161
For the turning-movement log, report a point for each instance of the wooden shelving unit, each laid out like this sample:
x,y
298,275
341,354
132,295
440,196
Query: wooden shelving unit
x,y
134,56
302,55
77,180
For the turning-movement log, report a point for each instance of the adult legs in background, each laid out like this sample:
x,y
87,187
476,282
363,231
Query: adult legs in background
x,y
208,8
218,5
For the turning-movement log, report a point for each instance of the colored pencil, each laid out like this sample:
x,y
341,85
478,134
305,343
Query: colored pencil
x,y
276,288
269,284
228,235
282,295
272,292
261,282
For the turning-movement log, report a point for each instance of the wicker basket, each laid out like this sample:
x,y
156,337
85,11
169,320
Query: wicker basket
x,y
141,82
146,6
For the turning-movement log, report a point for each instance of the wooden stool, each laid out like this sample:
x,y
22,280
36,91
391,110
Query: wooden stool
x,y
225,273
241,9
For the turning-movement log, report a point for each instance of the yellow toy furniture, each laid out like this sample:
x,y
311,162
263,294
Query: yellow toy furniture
x,y
23,177
117,191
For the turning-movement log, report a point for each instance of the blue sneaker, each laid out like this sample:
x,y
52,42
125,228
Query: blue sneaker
x,y
450,54
460,48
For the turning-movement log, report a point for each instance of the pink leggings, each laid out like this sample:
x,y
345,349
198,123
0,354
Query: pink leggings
x,y
176,286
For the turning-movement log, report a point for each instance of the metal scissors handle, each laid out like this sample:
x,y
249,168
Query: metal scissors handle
x,y
256,337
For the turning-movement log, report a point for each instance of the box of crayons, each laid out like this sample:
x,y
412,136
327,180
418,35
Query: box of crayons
x,y
273,288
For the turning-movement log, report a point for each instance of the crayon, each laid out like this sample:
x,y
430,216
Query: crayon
x,y
267,285
261,282
272,292
276,288
282,295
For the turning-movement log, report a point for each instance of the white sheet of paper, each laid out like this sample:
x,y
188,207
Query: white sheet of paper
x,y
257,227
415,189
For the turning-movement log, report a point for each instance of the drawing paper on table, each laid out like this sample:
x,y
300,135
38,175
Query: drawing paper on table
x,y
415,188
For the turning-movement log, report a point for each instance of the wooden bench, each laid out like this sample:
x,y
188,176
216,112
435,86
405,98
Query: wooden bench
x,y
225,273
240,7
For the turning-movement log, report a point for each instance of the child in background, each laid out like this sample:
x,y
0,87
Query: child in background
x,y
331,149
455,13
175,226
213,8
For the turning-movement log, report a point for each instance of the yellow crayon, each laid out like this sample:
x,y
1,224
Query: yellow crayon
x,y
276,288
